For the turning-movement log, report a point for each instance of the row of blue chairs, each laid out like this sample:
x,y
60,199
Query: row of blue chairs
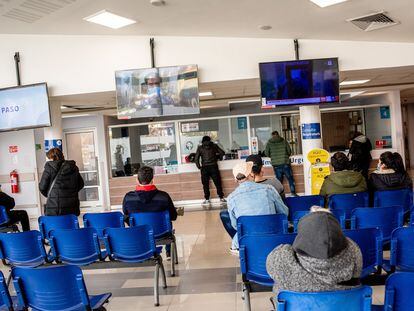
x,y
50,288
347,202
398,297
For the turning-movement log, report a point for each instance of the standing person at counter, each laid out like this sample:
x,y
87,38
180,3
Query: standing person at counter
x,y
209,153
278,150
360,151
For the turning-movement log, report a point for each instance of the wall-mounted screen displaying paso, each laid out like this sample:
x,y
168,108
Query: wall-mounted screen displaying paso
x,y
155,92
24,107
301,82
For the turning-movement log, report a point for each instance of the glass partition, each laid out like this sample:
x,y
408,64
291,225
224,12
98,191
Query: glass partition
x,y
378,126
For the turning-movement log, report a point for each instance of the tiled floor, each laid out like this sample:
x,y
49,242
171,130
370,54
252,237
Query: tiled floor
x,y
207,277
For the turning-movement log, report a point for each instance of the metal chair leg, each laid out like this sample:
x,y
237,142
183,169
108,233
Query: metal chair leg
x,y
163,275
175,252
9,278
156,284
173,258
246,295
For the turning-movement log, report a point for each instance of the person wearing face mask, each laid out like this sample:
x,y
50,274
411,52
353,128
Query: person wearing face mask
x,y
390,174
249,199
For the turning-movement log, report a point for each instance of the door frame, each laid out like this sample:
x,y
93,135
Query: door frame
x,y
88,206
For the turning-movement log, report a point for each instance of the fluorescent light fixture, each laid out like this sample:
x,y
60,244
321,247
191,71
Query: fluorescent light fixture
x,y
109,19
63,107
354,82
243,101
325,3
65,116
352,94
204,94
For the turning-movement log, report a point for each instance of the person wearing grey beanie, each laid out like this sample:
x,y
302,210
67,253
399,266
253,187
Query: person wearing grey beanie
x,y
320,259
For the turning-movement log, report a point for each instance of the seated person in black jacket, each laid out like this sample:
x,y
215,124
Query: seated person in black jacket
x,y
14,216
390,174
147,198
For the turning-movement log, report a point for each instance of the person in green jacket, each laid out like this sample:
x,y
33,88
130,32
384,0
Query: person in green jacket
x,y
279,152
342,180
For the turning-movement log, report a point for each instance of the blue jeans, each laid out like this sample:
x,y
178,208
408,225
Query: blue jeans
x,y
285,170
225,219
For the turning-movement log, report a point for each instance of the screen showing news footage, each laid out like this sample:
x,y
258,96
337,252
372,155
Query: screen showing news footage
x,y
156,92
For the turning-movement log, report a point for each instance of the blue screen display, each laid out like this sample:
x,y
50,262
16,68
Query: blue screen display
x,y
299,82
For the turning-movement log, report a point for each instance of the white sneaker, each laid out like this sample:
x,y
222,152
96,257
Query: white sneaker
x,y
234,252
206,202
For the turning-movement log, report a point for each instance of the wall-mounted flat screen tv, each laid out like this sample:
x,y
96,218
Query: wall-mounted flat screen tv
x,y
155,92
24,107
301,82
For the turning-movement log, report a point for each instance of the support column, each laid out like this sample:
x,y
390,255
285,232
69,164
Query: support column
x,y
310,119
53,134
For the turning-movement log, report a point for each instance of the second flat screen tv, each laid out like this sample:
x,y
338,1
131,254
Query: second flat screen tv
x,y
155,92
302,82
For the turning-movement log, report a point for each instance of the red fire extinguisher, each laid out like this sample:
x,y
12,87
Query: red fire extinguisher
x,y
14,181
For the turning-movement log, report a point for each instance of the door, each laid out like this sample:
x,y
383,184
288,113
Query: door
x,y
81,147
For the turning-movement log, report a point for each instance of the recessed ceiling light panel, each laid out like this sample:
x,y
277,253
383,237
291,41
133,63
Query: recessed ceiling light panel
x,y
204,94
325,3
109,19
354,82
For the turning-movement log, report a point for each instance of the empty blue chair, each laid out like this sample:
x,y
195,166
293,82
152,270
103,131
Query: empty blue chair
x,y
253,252
303,203
100,221
4,221
398,292
137,245
6,301
347,202
339,215
55,288
385,218
162,228
356,299
262,224
49,223
402,250
369,241
76,246
402,197
22,249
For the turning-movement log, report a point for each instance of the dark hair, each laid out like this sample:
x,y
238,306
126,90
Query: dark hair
x,y
145,175
206,139
257,163
387,158
55,154
275,133
398,163
340,162
356,134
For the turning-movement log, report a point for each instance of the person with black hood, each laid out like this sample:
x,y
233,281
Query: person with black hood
x,y
320,259
209,153
147,198
390,174
360,151
15,216
60,184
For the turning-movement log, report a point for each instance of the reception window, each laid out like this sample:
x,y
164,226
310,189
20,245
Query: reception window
x,y
378,126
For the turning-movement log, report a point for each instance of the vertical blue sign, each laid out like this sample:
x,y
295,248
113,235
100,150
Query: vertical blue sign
x,y
385,112
53,143
311,131
242,123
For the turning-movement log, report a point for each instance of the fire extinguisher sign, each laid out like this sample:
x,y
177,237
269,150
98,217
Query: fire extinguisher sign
x,y
13,149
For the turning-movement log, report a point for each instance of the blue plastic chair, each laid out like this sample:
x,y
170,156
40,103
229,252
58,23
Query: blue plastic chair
x,y
402,250
137,245
398,293
4,221
162,228
6,301
253,252
339,215
76,246
262,224
402,197
49,223
100,221
356,299
385,218
55,288
22,249
347,202
303,203
369,241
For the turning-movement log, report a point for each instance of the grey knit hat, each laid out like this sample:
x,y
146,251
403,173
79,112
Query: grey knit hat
x,y
319,236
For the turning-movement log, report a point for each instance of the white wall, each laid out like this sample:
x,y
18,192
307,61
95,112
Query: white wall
x,y
376,127
82,64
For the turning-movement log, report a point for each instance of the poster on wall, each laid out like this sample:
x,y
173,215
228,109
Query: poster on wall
x,y
189,127
311,131
385,112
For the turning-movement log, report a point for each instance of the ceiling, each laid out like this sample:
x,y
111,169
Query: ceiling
x,y
225,18
381,79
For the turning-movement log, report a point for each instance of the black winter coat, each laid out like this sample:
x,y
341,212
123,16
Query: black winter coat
x,y
63,198
360,152
209,153
390,181
148,201
6,201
